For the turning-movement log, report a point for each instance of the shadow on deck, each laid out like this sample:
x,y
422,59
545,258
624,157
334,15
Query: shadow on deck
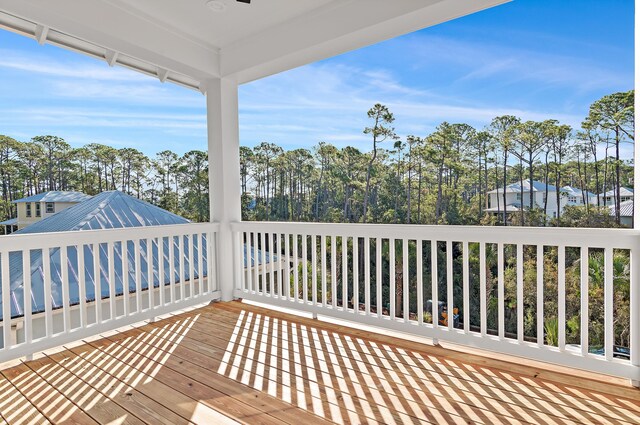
x,y
232,362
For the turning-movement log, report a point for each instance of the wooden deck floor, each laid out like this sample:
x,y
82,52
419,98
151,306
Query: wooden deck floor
x,y
230,362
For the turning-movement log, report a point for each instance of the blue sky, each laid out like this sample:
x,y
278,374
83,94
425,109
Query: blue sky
x,y
536,59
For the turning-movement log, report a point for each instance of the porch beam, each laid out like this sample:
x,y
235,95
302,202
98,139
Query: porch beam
x,y
224,173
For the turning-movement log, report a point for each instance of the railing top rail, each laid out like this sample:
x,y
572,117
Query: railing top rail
x,y
552,236
55,239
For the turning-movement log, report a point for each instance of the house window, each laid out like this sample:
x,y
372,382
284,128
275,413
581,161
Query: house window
x,y
573,199
50,208
28,205
38,212
519,196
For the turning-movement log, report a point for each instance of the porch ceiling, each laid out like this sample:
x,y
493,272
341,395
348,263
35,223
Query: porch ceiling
x,y
189,42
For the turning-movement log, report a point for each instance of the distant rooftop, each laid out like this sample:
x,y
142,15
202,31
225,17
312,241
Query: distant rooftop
x,y
624,191
515,187
626,209
55,196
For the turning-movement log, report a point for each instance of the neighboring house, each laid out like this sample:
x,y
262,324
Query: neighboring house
x,y
626,212
569,196
608,198
34,208
577,197
515,203
107,210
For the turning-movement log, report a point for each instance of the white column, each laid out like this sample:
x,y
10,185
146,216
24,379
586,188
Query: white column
x,y
635,255
224,173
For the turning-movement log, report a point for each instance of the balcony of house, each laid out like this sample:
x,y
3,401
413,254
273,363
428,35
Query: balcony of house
x,y
143,343
261,322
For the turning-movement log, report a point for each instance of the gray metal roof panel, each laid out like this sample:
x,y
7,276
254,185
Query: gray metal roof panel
x,y
55,196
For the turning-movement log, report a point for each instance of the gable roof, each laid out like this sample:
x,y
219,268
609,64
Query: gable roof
x,y
574,191
626,209
55,196
624,191
515,187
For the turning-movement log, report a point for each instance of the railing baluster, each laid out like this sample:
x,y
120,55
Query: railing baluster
x,y
483,289
181,266
540,294
584,300
501,290
465,285
520,290
215,285
334,272
263,263
405,279
562,329
162,279
379,277
323,269
356,275
201,257
112,281
28,308
136,264
608,303
6,300
367,276
172,267
192,266
64,275
247,268
296,283
150,277
392,278
435,316
272,264
287,247
450,307
255,264
124,256
345,277
82,288
419,283
314,270
46,278
97,281
279,269
305,266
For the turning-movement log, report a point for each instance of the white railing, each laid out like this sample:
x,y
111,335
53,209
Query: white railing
x,y
565,296
60,287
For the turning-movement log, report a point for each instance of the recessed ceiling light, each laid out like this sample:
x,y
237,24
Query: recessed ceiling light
x,y
216,5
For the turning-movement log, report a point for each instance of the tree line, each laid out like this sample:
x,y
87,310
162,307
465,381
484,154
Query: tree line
x,y
179,184
444,178
440,178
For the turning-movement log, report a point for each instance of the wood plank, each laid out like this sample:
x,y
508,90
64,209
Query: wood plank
x,y
47,399
539,371
394,395
185,384
138,404
14,406
213,364
87,398
600,406
451,392
123,370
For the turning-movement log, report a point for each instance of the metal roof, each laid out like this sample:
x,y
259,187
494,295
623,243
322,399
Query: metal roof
x,y
55,196
624,191
108,210
626,209
10,222
515,187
